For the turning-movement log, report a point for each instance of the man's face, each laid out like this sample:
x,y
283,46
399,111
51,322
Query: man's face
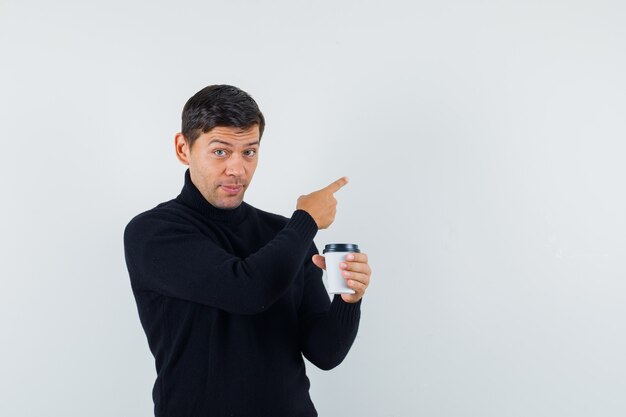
x,y
222,163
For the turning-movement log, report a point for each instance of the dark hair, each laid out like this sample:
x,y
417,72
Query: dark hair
x,y
220,105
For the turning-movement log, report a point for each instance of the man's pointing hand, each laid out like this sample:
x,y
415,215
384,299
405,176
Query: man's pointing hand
x,y
321,204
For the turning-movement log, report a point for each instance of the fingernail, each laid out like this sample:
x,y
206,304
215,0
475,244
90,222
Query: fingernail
x,y
343,265
350,257
346,274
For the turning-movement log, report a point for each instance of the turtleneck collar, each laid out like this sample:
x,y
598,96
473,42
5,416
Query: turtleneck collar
x,y
191,197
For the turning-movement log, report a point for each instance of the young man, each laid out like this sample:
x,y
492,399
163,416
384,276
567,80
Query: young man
x,y
231,297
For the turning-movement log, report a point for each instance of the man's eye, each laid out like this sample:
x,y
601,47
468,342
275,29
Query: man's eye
x,y
250,152
220,152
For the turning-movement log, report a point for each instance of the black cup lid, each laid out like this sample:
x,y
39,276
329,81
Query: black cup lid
x,y
341,247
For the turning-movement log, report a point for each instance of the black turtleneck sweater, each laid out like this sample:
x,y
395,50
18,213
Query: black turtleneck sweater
x,y
230,302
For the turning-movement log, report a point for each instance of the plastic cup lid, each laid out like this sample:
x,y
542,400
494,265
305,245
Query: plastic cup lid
x,y
341,247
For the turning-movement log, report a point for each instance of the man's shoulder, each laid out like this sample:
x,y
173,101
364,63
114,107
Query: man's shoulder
x,y
167,212
267,217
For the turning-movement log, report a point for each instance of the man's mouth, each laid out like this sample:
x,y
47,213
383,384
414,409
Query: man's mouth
x,y
232,188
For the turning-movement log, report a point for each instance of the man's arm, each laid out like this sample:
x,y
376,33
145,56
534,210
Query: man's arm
x,y
171,257
327,330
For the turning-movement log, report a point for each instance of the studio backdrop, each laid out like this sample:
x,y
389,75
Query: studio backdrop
x,y
484,141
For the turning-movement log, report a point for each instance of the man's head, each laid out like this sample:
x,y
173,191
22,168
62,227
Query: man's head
x,y
221,133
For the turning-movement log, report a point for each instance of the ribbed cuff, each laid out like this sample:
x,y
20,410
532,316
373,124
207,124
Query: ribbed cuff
x,y
346,313
303,223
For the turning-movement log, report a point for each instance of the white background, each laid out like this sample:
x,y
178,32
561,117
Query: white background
x,y
485,145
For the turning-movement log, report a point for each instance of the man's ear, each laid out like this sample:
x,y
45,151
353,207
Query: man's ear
x,y
182,148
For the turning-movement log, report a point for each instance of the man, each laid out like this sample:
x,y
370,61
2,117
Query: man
x,y
231,297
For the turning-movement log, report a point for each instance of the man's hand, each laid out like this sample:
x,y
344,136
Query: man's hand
x,y
321,204
355,269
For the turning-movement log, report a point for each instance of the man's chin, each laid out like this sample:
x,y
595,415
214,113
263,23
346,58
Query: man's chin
x,y
229,204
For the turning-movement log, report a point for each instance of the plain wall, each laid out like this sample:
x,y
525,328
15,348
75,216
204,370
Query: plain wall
x,y
485,144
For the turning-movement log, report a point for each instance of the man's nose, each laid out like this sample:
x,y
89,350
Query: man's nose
x,y
235,166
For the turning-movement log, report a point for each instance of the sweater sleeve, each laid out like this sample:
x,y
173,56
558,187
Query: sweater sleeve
x,y
171,257
327,330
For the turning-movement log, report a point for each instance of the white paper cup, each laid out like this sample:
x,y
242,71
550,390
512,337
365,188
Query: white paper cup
x,y
334,254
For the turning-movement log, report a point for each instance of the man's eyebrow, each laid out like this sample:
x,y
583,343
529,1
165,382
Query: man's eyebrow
x,y
256,142
219,141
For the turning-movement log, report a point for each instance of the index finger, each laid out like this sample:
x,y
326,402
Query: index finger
x,y
335,186
357,257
